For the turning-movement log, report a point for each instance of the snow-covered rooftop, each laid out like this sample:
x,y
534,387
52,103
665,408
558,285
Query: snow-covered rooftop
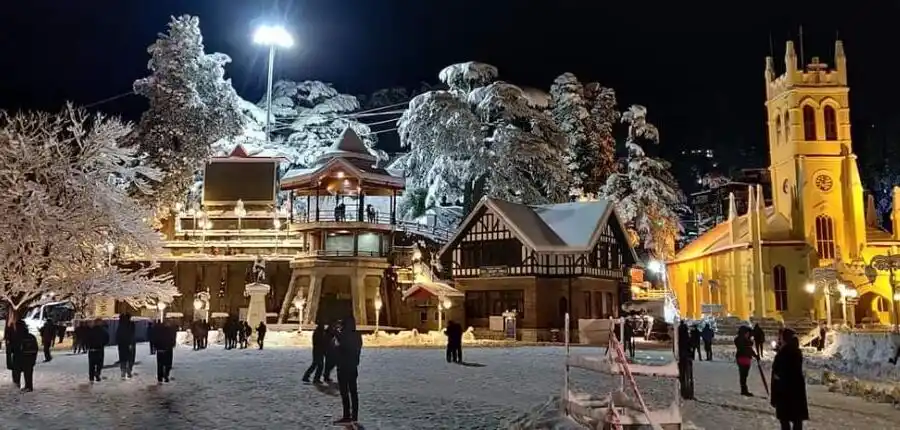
x,y
557,228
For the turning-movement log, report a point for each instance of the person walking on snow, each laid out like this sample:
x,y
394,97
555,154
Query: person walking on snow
x,y
48,334
24,356
744,355
261,334
150,338
685,362
125,343
789,383
164,339
319,346
695,342
628,337
707,335
331,352
349,348
759,339
454,333
96,339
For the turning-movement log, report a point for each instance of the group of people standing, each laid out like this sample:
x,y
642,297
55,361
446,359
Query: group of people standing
x,y
788,387
338,345
238,333
49,332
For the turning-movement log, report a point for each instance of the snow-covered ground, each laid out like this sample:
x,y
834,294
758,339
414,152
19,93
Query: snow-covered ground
x,y
399,389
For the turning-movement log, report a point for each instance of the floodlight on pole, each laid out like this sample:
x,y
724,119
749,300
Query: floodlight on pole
x,y
656,266
273,37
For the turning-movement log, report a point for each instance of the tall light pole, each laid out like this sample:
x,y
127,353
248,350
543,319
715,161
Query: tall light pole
x,y
378,304
273,37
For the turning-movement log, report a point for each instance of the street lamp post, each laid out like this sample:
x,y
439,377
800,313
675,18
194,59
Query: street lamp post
x,y
443,303
240,212
890,262
277,224
378,305
846,294
300,304
161,306
273,37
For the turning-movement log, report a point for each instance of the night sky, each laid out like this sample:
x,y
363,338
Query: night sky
x,y
698,67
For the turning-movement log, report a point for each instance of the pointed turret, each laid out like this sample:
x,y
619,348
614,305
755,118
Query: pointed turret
x,y
895,213
790,62
761,210
734,233
840,62
871,215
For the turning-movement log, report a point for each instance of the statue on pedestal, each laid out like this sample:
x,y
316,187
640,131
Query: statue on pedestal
x,y
257,272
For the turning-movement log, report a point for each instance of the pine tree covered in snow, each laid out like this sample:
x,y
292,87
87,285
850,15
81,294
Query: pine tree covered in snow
x,y
192,106
586,114
481,137
395,96
67,180
308,117
646,194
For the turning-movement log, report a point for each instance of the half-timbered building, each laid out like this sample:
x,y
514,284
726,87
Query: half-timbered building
x,y
541,261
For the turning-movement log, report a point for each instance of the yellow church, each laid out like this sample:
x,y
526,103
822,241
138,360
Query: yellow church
x,y
818,237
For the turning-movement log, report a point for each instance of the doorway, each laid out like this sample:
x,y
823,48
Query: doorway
x,y
336,300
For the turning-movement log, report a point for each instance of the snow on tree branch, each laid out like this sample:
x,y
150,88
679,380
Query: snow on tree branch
x,y
192,106
138,287
646,194
481,138
67,182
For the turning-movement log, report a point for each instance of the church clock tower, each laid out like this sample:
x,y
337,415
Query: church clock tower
x,y
815,180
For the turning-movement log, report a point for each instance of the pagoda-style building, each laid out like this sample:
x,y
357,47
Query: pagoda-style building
x,y
345,210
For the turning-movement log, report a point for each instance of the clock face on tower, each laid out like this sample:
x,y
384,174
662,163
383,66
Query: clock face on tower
x,y
824,182
786,186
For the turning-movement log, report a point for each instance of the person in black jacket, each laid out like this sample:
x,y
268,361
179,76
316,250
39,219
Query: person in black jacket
x,y
707,335
96,340
744,355
150,338
759,339
331,333
319,346
125,342
9,341
349,347
454,333
24,356
48,334
164,340
685,362
695,342
789,383
261,334
628,337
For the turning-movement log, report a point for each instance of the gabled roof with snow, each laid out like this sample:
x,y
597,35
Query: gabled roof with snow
x,y
436,289
562,228
240,154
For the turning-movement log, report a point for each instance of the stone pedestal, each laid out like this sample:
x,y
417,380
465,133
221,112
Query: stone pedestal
x,y
256,311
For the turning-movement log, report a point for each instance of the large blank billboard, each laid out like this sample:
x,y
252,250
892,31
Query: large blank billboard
x,y
228,182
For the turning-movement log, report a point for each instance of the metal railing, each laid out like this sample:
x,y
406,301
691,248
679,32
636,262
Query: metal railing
x,y
341,253
434,232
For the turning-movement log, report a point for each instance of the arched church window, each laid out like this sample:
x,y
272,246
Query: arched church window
x,y
830,123
779,276
778,129
787,126
825,237
809,123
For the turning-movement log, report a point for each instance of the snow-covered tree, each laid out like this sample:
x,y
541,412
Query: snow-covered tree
x,y
481,137
394,96
66,204
307,116
713,180
586,114
192,106
646,194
